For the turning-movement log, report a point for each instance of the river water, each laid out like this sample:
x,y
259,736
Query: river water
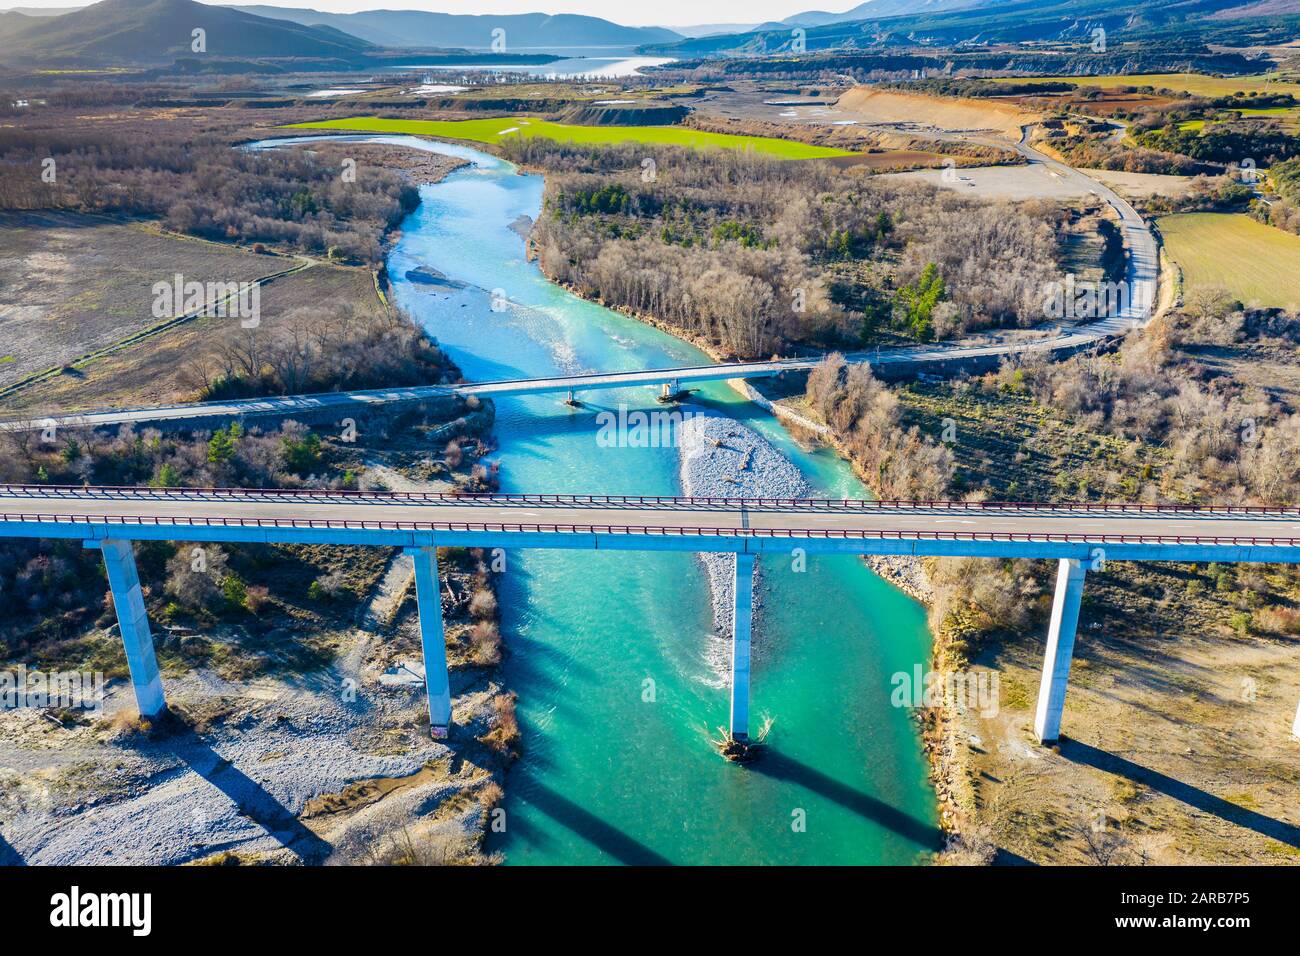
x,y
613,655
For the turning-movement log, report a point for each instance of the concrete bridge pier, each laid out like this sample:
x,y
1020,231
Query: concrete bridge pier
x,y
128,602
670,390
742,626
433,639
1060,648
571,399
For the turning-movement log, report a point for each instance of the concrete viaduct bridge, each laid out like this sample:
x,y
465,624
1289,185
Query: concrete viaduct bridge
x,y
1080,537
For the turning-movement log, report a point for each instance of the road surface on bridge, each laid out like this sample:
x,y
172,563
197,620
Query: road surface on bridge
x,y
126,508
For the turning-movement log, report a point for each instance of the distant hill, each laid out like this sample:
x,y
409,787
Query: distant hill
x,y
42,11
158,31
709,29
879,9
1261,8
12,24
880,24
416,28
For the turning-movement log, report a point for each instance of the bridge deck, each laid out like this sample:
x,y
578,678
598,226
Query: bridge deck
x,y
675,523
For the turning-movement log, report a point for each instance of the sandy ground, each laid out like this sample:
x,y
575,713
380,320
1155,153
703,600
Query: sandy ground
x,y
869,104
1174,750
1035,181
763,105
1141,185
292,769
82,795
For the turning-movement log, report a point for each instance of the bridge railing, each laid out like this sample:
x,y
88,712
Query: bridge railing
x,y
134,492
185,521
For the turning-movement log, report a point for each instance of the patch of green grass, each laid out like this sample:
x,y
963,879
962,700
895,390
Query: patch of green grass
x,y
497,129
1257,264
1245,800
1288,117
1125,790
1015,694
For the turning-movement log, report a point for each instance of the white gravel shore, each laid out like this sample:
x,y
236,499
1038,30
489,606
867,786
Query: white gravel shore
x,y
722,458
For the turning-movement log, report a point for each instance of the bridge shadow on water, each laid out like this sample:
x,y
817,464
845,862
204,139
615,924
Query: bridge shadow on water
x,y
1194,797
251,799
772,763
597,832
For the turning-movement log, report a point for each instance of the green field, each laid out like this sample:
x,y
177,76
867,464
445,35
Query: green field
x,y
494,130
1258,264
1288,117
1195,83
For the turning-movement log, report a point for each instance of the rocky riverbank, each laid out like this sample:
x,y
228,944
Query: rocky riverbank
x,y
334,765
722,458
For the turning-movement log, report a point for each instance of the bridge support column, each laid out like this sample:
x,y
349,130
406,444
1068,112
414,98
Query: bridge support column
x,y
669,390
128,602
433,640
742,626
1060,648
570,399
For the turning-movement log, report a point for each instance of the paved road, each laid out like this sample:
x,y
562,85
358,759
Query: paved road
x,y
1143,271
677,517
1143,268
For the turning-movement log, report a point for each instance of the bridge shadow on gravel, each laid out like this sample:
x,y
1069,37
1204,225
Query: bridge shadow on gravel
x,y
252,800
591,828
8,855
1194,797
773,764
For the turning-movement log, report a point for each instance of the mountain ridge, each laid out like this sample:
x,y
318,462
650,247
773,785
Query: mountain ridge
x,y
157,31
399,28
956,22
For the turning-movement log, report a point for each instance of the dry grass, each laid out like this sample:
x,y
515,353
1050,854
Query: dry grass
x,y
485,643
1197,84
162,369
1183,687
1255,263
503,737
73,284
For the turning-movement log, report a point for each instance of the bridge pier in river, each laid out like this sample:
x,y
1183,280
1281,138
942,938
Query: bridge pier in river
x,y
433,639
741,629
1070,575
128,602
671,391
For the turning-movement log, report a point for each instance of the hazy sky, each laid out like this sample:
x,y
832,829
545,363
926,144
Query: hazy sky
x,y
662,12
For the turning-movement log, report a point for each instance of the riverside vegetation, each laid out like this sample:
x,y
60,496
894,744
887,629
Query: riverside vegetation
x,y
1179,413
755,255
195,183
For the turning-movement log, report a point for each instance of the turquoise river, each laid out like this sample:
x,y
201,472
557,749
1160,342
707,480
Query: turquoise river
x,y
611,773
